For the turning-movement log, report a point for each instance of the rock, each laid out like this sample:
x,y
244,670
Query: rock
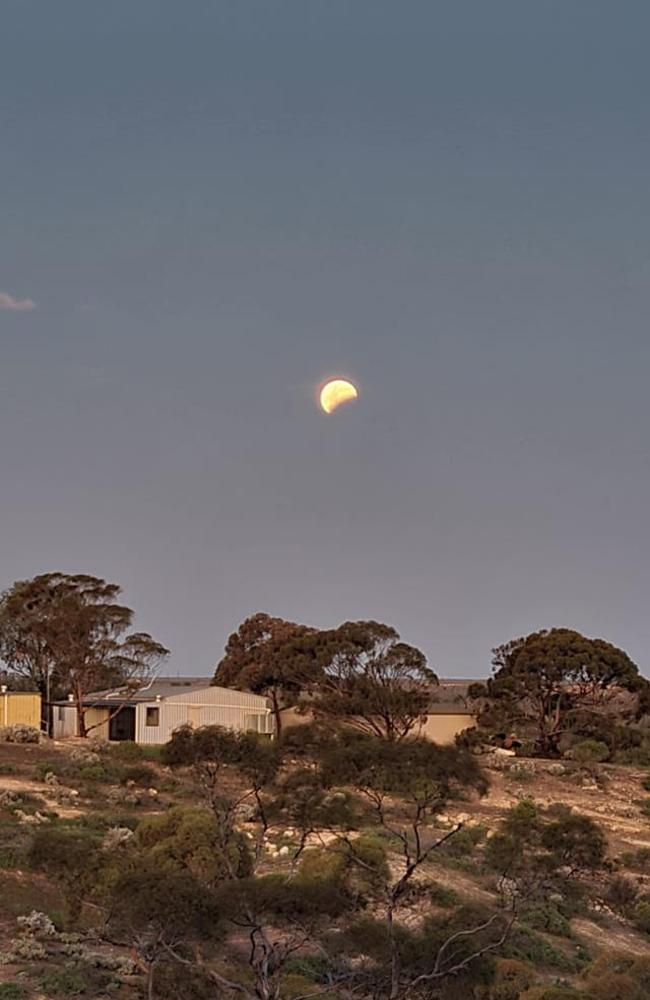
x,y
152,793
51,778
283,852
499,759
554,768
36,924
19,733
84,756
9,798
30,819
117,837
246,812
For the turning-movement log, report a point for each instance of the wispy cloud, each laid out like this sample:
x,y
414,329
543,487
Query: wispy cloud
x,y
7,301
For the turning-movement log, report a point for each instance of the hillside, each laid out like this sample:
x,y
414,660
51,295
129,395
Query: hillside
x,y
70,786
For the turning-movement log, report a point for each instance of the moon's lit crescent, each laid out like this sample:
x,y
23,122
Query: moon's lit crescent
x,y
335,392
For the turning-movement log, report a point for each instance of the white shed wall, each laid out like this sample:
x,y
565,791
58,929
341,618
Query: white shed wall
x,y
64,722
174,713
221,696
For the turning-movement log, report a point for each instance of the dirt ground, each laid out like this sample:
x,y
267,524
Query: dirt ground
x,y
608,794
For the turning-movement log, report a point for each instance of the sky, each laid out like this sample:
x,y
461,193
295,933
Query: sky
x,y
206,208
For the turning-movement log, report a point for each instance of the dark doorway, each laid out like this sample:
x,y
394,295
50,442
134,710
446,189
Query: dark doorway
x,y
122,725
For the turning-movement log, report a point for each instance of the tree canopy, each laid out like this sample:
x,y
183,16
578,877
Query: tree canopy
x,y
372,681
359,673
540,679
69,629
270,656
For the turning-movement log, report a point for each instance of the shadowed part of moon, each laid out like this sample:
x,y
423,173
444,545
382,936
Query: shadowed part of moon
x,y
335,392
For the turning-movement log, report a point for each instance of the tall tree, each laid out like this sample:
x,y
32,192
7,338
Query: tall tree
x,y
540,679
359,673
26,609
371,680
270,656
71,627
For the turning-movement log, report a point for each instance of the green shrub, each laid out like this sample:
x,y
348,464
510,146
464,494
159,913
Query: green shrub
x,y
14,839
621,893
75,980
529,947
644,806
645,784
590,752
314,968
93,772
635,756
12,991
461,844
139,774
443,896
190,839
547,917
174,982
126,752
641,915
637,860
521,774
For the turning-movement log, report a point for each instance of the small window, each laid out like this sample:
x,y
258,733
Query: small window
x,y
153,717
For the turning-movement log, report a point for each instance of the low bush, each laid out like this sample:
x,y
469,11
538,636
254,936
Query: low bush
x,y
638,756
590,752
641,915
621,893
125,751
19,733
75,980
530,947
461,845
637,860
12,991
139,774
547,917
173,982
511,978
93,772
443,896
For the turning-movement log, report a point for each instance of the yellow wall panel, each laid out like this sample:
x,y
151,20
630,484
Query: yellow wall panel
x,y
21,708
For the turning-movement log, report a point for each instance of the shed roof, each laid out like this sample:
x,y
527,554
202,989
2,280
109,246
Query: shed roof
x,y
160,687
449,697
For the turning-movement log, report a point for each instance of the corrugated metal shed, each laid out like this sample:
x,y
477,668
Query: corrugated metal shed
x,y
158,708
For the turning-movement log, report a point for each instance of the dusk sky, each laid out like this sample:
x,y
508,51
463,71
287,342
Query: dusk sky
x,y
214,205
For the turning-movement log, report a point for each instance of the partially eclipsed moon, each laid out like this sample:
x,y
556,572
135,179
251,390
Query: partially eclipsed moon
x,y
336,392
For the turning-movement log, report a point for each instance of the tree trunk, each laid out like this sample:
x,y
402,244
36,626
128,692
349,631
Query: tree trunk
x,y
394,956
277,713
150,972
81,715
